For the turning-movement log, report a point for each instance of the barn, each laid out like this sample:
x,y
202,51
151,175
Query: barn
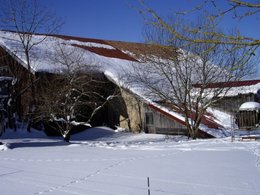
x,y
129,109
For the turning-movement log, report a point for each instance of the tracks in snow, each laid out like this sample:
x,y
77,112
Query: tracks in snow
x,y
104,169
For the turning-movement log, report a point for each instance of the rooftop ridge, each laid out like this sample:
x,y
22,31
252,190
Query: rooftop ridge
x,y
231,83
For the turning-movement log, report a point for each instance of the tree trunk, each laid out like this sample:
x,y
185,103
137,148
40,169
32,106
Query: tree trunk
x,y
66,133
193,132
66,137
31,84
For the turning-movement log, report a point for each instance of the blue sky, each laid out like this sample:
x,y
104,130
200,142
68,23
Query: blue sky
x,y
118,20
104,19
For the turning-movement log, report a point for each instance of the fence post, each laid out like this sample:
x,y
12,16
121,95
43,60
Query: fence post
x,y
148,184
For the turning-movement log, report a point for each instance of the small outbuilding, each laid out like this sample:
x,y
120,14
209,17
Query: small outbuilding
x,y
248,115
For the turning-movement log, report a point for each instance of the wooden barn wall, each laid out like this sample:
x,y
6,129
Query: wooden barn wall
x,y
248,119
232,104
14,69
162,124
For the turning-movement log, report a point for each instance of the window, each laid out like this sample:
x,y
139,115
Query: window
x,y
149,118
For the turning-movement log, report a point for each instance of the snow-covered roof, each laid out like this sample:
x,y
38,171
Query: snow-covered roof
x,y
113,58
238,87
249,106
96,51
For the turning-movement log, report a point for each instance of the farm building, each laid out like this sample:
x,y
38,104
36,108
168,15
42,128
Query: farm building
x,y
239,93
129,108
248,116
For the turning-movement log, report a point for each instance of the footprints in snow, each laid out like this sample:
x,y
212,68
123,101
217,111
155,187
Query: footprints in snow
x,y
99,171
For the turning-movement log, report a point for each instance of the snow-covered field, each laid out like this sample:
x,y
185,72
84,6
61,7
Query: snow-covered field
x,y
100,161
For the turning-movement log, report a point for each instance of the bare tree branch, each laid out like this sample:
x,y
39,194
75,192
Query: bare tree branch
x,y
75,92
180,74
219,37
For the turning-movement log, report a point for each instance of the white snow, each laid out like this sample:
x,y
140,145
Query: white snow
x,y
234,91
42,54
243,90
250,106
101,161
222,118
89,44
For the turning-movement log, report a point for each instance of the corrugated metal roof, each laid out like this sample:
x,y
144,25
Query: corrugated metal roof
x,y
113,53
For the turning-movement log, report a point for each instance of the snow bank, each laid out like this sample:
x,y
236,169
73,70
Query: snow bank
x,y
93,134
3,146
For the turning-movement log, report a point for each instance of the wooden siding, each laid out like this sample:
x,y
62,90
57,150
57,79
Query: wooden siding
x,y
14,69
248,119
232,104
163,124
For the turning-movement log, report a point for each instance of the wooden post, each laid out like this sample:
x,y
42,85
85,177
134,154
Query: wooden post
x,y
148,184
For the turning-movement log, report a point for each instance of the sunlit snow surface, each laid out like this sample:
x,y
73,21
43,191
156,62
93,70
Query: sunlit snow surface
x,y
101,161
247,106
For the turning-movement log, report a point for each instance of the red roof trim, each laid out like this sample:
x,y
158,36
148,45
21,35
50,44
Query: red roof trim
x,y
230,84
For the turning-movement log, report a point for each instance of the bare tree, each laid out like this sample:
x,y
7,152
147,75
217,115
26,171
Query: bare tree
x,y
180,74
75,93
26,18
236,9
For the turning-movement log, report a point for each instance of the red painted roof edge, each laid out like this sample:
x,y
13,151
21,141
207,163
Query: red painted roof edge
x,y
230,84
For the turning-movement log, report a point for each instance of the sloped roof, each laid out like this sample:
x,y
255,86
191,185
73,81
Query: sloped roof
x,y
141,51
99,50
232,84
236,88
114,57
103,51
